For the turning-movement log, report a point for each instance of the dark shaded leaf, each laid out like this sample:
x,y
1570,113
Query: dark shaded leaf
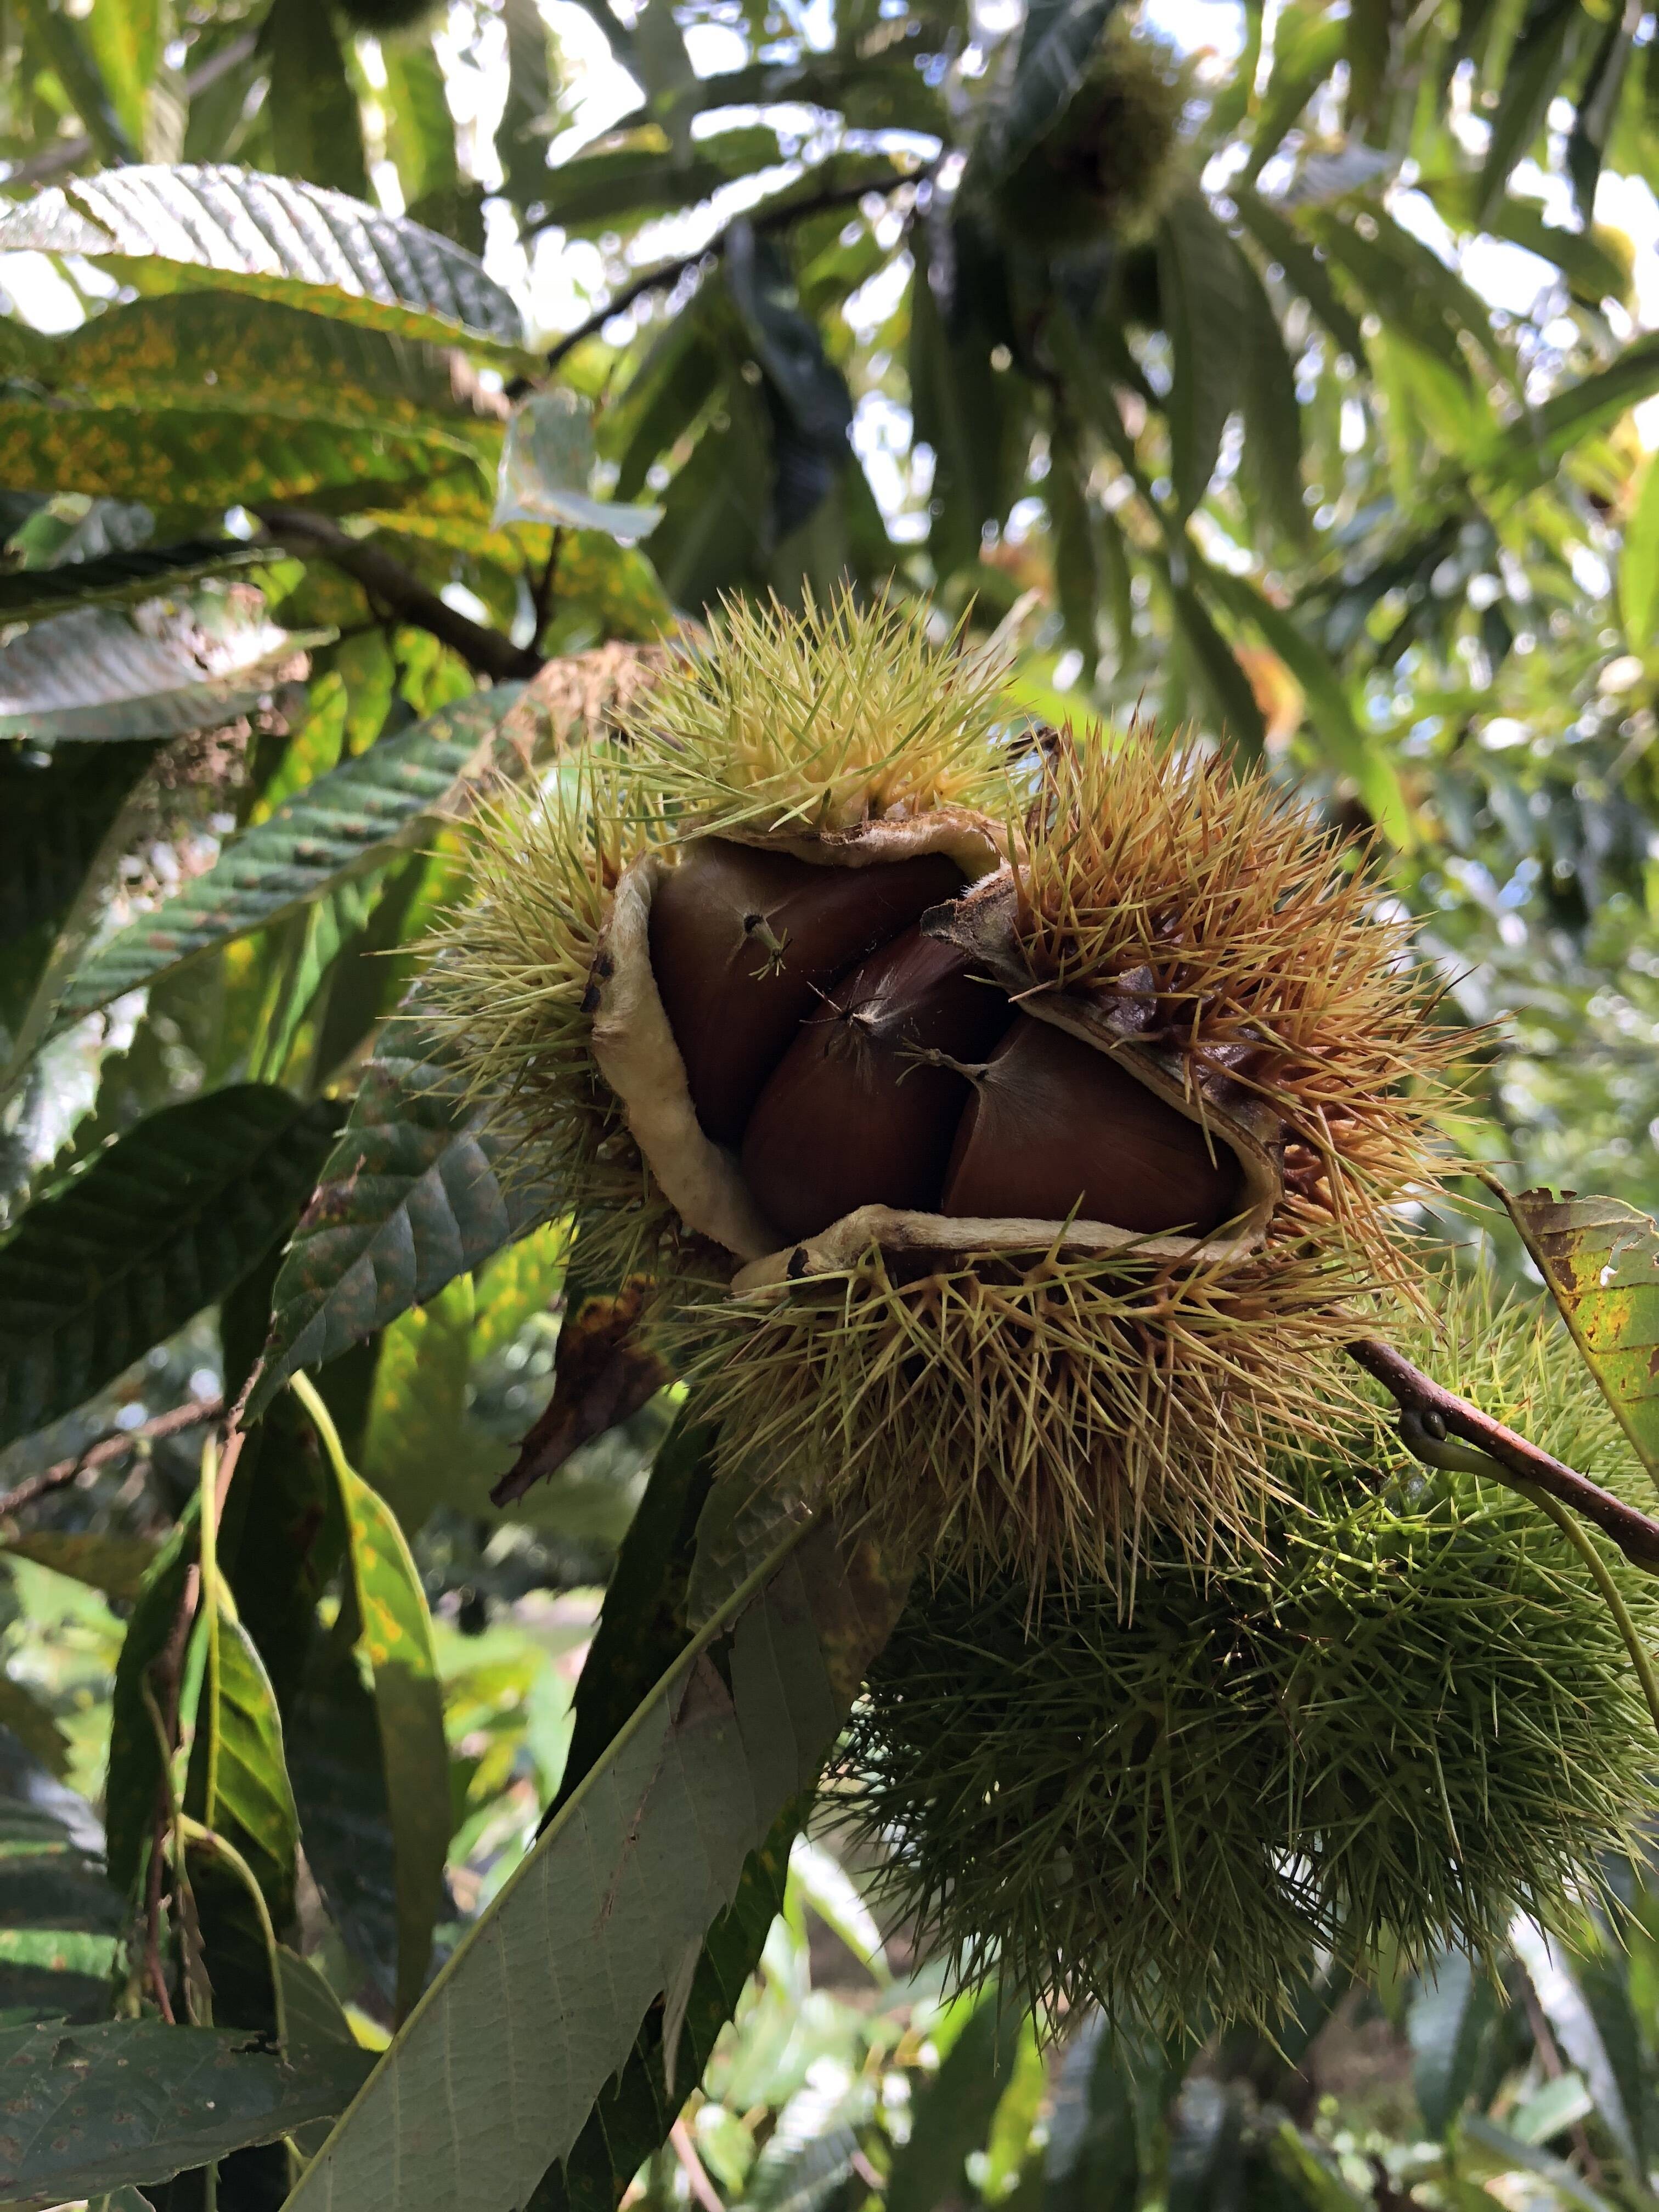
x,y
1445,2020
161,1225
334,1761
147,572
1056,45
1542,54
397,1641
54,814
953,2111
90,2108
96,675
135,1768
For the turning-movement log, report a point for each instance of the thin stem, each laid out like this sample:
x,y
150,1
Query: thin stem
x,y
114,1445
1584,1544
670,272
1514,1460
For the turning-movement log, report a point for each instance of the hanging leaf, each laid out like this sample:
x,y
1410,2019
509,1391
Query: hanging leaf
x,y
238,1784
1447,2016
1599,1261
1638,564
171,229
1543,53
316,128
28,595
333,1744
91,2108
409,1198
547,466
419,1450
397,1641
97,675
606,1371
135,1768
161,1224
1203,294
953,2112
1059,40
329,833
544,1996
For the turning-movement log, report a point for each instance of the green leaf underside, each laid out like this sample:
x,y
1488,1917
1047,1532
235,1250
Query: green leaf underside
x,y
493,2078
116,579
161,1224
1601,1260
337,828
85,2109
92,674
409,1198
278,237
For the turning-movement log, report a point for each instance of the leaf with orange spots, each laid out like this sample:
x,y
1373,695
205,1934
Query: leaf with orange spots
x,y
1601,1260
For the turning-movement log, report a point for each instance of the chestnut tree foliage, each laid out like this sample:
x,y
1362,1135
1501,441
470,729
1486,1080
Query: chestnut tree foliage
x,y
1314,424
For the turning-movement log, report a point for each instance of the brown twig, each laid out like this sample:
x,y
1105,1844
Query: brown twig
x,y
670,272
486,652
1430,1413
111,1446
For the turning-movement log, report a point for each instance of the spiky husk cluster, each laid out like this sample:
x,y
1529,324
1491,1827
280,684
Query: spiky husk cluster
x,y
1413,1716
1049,1410
1253,946
1108,168
818,722
509,986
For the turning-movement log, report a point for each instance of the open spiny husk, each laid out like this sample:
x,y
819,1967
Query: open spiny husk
x,y
985,1393
1239,938
807,725
510,990
1051,1409
1406,1718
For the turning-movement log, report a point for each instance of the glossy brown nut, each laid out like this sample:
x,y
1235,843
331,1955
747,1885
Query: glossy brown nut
x,y
851,1117
1056,1127
744,941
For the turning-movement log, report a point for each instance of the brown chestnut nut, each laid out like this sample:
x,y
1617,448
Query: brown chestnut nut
x,y
1056,1127
744,941
852,1116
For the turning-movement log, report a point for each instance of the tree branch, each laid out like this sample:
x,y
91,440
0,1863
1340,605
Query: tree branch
x,y
1428,1415
70,153
113,1446
670,272
485,651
